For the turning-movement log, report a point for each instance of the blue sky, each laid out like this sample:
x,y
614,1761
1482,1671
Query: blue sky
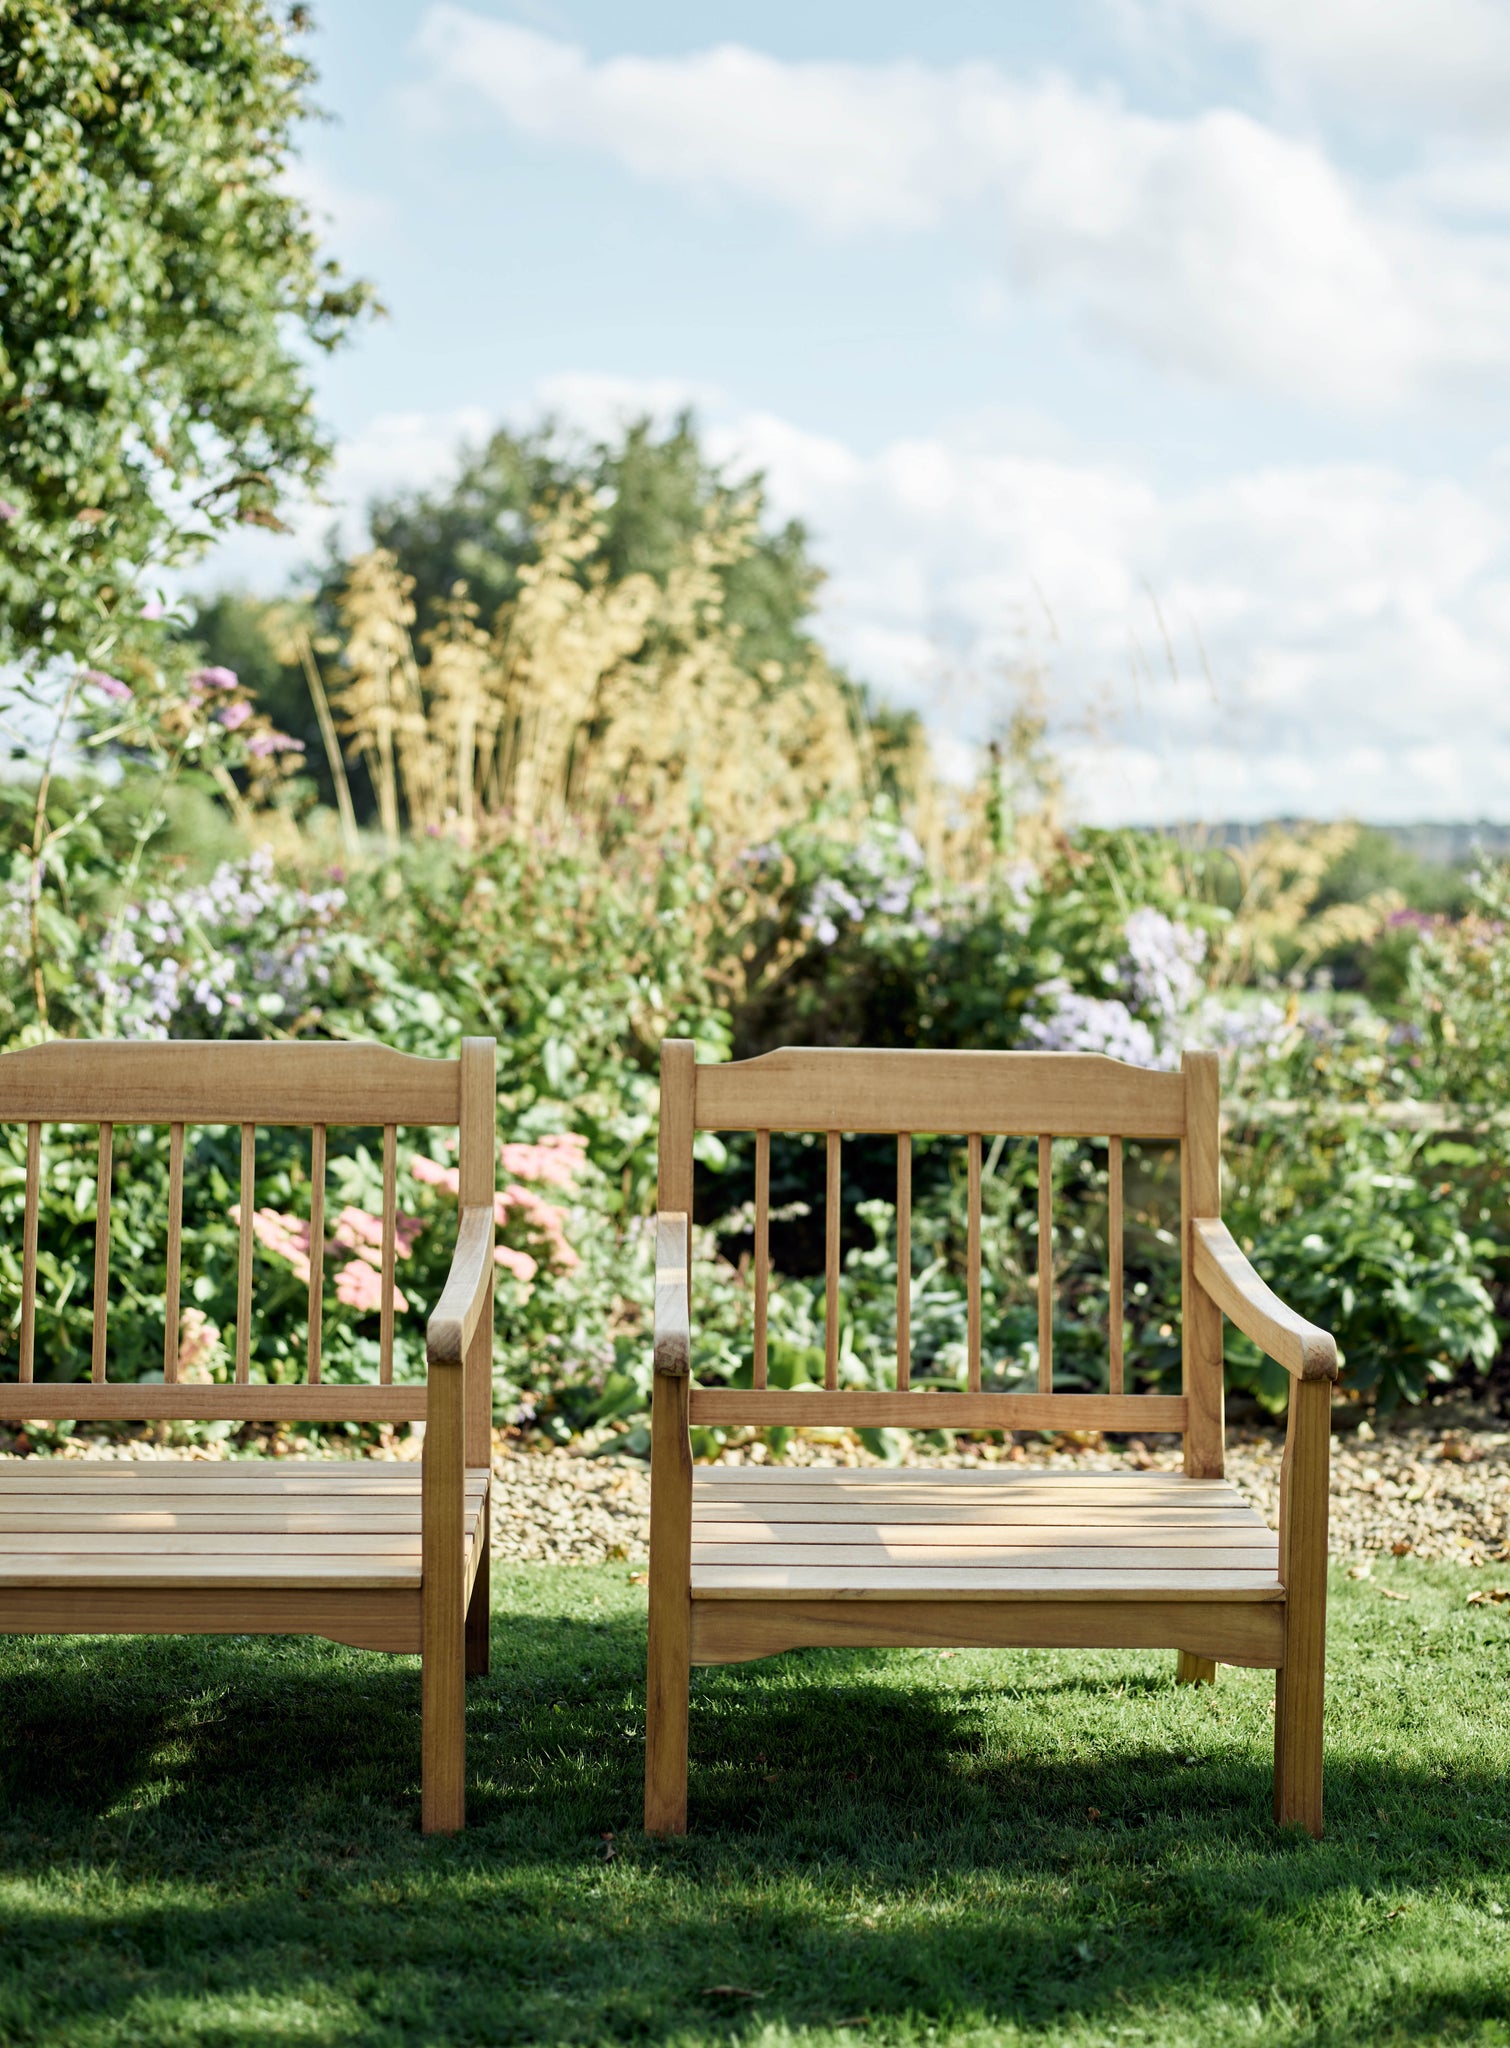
x,y
1161,344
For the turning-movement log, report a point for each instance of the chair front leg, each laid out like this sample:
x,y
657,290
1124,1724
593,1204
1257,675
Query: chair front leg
x,y
668,1674
1301,1681
442,1605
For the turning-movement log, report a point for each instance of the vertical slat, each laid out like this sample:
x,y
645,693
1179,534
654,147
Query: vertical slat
x,y
1045,1265
1200,1318
29,1249
831,1267
1114,1230
904,1261
762,1248
390,1204
244,1265
175,1252
101,1252
972,1261
316,1313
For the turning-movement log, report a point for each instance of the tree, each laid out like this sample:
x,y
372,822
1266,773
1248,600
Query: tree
x,y
157,280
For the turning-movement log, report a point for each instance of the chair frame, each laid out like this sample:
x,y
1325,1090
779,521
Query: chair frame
x,y
250,1084
1021,1094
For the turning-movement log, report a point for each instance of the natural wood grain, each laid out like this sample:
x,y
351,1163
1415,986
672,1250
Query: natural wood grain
x,y
1301,1686
443,1604
316,1308
831,1261
100,1310
175,1252
390,1222
904,1261
367,1618
961,1562
673,1257
244,1260
762,1251
802,1088
1115,1252
465,1304
1045,1265
856,1582
477,1178
1200,1321
1239,1632
29,1250
248,1401
1192,1670
1229,1281
241,1081
860,1409
972,1262
669,1648
1202,1541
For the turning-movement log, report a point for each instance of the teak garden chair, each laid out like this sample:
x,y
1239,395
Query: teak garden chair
x,y
369,1553
748,1560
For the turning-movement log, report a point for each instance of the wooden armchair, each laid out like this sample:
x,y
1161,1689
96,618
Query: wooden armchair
x,y
370,1553
748,1560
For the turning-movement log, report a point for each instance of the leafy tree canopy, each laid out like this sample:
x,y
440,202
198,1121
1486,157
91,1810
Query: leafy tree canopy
x,y
157,279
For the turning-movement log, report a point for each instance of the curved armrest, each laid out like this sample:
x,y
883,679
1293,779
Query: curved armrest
x,y
673,1330
1222,1270
454,1319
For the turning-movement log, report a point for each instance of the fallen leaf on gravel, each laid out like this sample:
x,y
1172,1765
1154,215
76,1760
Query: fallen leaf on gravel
x,y
1401,1547
1488,1593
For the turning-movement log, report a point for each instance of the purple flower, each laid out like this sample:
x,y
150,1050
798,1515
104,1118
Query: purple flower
x,y
214,678
8,511
261,744
232,715
108,686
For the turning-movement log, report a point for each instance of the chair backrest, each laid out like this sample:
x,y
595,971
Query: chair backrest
x,y
320,1086
973,1096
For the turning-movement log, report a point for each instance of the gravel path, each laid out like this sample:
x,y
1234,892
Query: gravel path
x,y
1426,1491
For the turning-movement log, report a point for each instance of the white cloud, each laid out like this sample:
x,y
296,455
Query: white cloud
x,y
1422,57
1215,245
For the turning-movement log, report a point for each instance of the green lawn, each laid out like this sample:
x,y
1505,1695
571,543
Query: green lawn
x,y
217,1841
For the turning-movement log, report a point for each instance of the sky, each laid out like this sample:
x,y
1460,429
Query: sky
x,y
1159,348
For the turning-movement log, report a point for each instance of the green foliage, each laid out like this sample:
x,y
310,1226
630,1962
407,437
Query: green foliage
x,y
214,1839
157,279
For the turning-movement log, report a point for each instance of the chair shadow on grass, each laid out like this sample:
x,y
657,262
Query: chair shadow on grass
x,y
1070,1874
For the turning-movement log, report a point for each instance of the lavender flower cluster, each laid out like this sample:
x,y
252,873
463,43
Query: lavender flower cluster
x,y
881,881
1160,978
241,945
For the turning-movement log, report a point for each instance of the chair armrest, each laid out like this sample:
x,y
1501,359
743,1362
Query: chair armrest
x,y
673,1329
453,1321
1227,1276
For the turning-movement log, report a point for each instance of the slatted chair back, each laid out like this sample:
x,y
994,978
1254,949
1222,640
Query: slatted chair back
x,y
973,1096
318,1086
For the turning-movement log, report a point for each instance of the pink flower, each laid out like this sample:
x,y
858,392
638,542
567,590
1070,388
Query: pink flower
x,y
358,1286
361,1232
262,744
214,678
232,715
520,1264
8,511
436,1175
286,1237
153,608
543,1218
108,686
557,1159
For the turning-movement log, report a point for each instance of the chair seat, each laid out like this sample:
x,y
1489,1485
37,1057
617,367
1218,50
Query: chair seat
x,y
296,1525
876,1533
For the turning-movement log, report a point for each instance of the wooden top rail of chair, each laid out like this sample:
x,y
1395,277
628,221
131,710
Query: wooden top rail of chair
x,y
1014,1094
235,1082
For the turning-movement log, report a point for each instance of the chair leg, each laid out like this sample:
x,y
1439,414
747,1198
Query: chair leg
x,y
668,1681
1192,1670
479,1633
443,1647
1297,1746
